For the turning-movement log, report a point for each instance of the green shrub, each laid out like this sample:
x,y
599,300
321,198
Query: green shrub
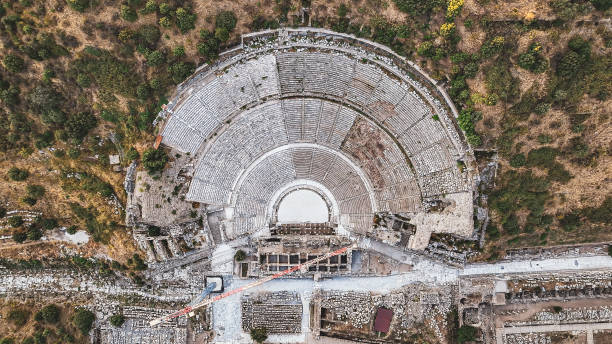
x,y
117,320
518,160
601,5
542,108
492,47
493,232
467,119
148,35
532,60
78,5
128,13
185,20
165,22
466,334
79,125
542,157
181,70
132,154
178,51
49,314
20,236
83,80
91,183
10,95
29,200
154,160
499,80
155,58
511,225
7,340
209,48
240,255
72,230
222,34
18,174
418,7
83,320
164,8
44,98
557,309
150,7
34,234
602,214
566,9
558,173
154,231
2,212
18,316
47,223
13,63
143,92
15,221
570,221
226,20
259,334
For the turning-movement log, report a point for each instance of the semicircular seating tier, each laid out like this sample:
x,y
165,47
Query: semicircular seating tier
x,y
353,122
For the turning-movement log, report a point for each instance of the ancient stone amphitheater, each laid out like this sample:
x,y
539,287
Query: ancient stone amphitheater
x,y
347,118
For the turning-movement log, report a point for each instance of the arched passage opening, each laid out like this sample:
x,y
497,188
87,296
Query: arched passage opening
x,y
303,206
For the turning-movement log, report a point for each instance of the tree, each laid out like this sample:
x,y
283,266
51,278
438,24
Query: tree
x,y
18,174
154,160
49,314
148,35
226,20
466,334
259,334
7,340
13,63
15,221
185,20
117,320
154,231
83,320
180,71
72,229
79,125
155,58
34,233
602,5
20,236
240,255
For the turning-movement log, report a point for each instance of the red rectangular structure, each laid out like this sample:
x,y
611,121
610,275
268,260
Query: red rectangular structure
x,y
158,140
382,323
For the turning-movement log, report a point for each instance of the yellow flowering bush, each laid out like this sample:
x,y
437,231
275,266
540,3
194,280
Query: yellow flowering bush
x,y
453,9
447,29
